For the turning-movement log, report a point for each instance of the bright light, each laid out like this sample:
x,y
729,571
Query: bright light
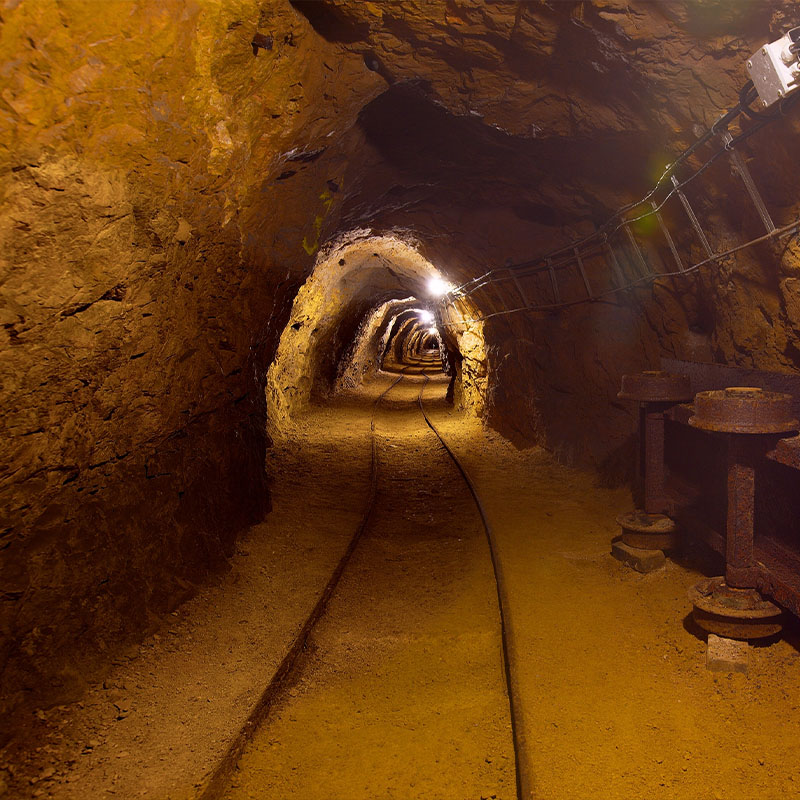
x,y
433,332
425,316
438,287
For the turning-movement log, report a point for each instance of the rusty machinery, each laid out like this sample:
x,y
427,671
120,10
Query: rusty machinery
x,y
656,392
752,426
752,421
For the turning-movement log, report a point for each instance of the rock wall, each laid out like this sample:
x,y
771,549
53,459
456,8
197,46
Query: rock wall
x,y
333,324
363,359
152,243
509,129
171,169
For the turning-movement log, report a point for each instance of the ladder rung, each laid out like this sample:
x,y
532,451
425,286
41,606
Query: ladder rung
x,y
637,251
520,290
554,282
615,267
741,169
583,273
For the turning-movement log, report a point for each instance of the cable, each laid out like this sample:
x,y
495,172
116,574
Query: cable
x,y
746,96
535,266
786,230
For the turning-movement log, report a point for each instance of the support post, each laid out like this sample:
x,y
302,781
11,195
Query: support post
x,y
740,567
654,494
692,218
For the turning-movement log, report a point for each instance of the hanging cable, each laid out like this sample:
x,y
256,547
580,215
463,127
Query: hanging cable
x,y
563,256
778,233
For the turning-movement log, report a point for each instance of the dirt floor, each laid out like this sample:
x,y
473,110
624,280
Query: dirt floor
x,y
401,694
168,710
616,698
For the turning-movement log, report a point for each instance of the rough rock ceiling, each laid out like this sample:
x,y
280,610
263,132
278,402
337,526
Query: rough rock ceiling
x,y
166,190
532,115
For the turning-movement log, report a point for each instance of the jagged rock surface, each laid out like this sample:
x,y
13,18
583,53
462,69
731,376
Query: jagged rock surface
x,y
167,185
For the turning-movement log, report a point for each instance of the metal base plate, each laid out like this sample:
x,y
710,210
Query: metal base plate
x,y
647,531
734,613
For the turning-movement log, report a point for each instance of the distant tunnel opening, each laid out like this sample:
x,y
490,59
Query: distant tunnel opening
x,y
367,306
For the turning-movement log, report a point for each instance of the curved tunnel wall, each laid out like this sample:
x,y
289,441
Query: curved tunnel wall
x,y
411,336
365,355
168,188
340,316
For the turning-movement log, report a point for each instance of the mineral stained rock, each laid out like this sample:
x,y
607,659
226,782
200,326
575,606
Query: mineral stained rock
x,y
171,171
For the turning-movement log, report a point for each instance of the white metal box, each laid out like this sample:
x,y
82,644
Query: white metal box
x,y
774,69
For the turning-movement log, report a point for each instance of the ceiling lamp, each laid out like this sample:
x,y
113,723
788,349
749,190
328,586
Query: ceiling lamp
x,y
438,287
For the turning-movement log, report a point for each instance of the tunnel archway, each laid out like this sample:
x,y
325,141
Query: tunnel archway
x,y
407,347
218,219
365,294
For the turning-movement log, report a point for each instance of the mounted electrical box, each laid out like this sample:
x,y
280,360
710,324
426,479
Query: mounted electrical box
x,y
774,69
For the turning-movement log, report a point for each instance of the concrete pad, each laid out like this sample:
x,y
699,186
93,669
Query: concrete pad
x,y
726,655
637,558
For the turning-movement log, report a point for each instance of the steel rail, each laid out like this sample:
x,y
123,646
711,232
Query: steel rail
x,y
523,770
218,782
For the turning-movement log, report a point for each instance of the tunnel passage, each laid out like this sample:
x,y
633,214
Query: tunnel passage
x,y
181,181
368,299
413,332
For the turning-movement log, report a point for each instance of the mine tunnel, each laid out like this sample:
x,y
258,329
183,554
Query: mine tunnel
x,y
400,399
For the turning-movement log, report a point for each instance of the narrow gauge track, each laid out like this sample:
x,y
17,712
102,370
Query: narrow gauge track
x,y
217,783
524,774
286,673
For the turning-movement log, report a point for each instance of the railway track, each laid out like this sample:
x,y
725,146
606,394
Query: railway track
x,y
523,772
292,665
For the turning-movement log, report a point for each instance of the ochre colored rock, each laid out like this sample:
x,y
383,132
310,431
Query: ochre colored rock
x,y
168,189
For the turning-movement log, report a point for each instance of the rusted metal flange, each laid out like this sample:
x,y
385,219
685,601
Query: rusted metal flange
x,y
734,613
743,409
656,387
647,531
